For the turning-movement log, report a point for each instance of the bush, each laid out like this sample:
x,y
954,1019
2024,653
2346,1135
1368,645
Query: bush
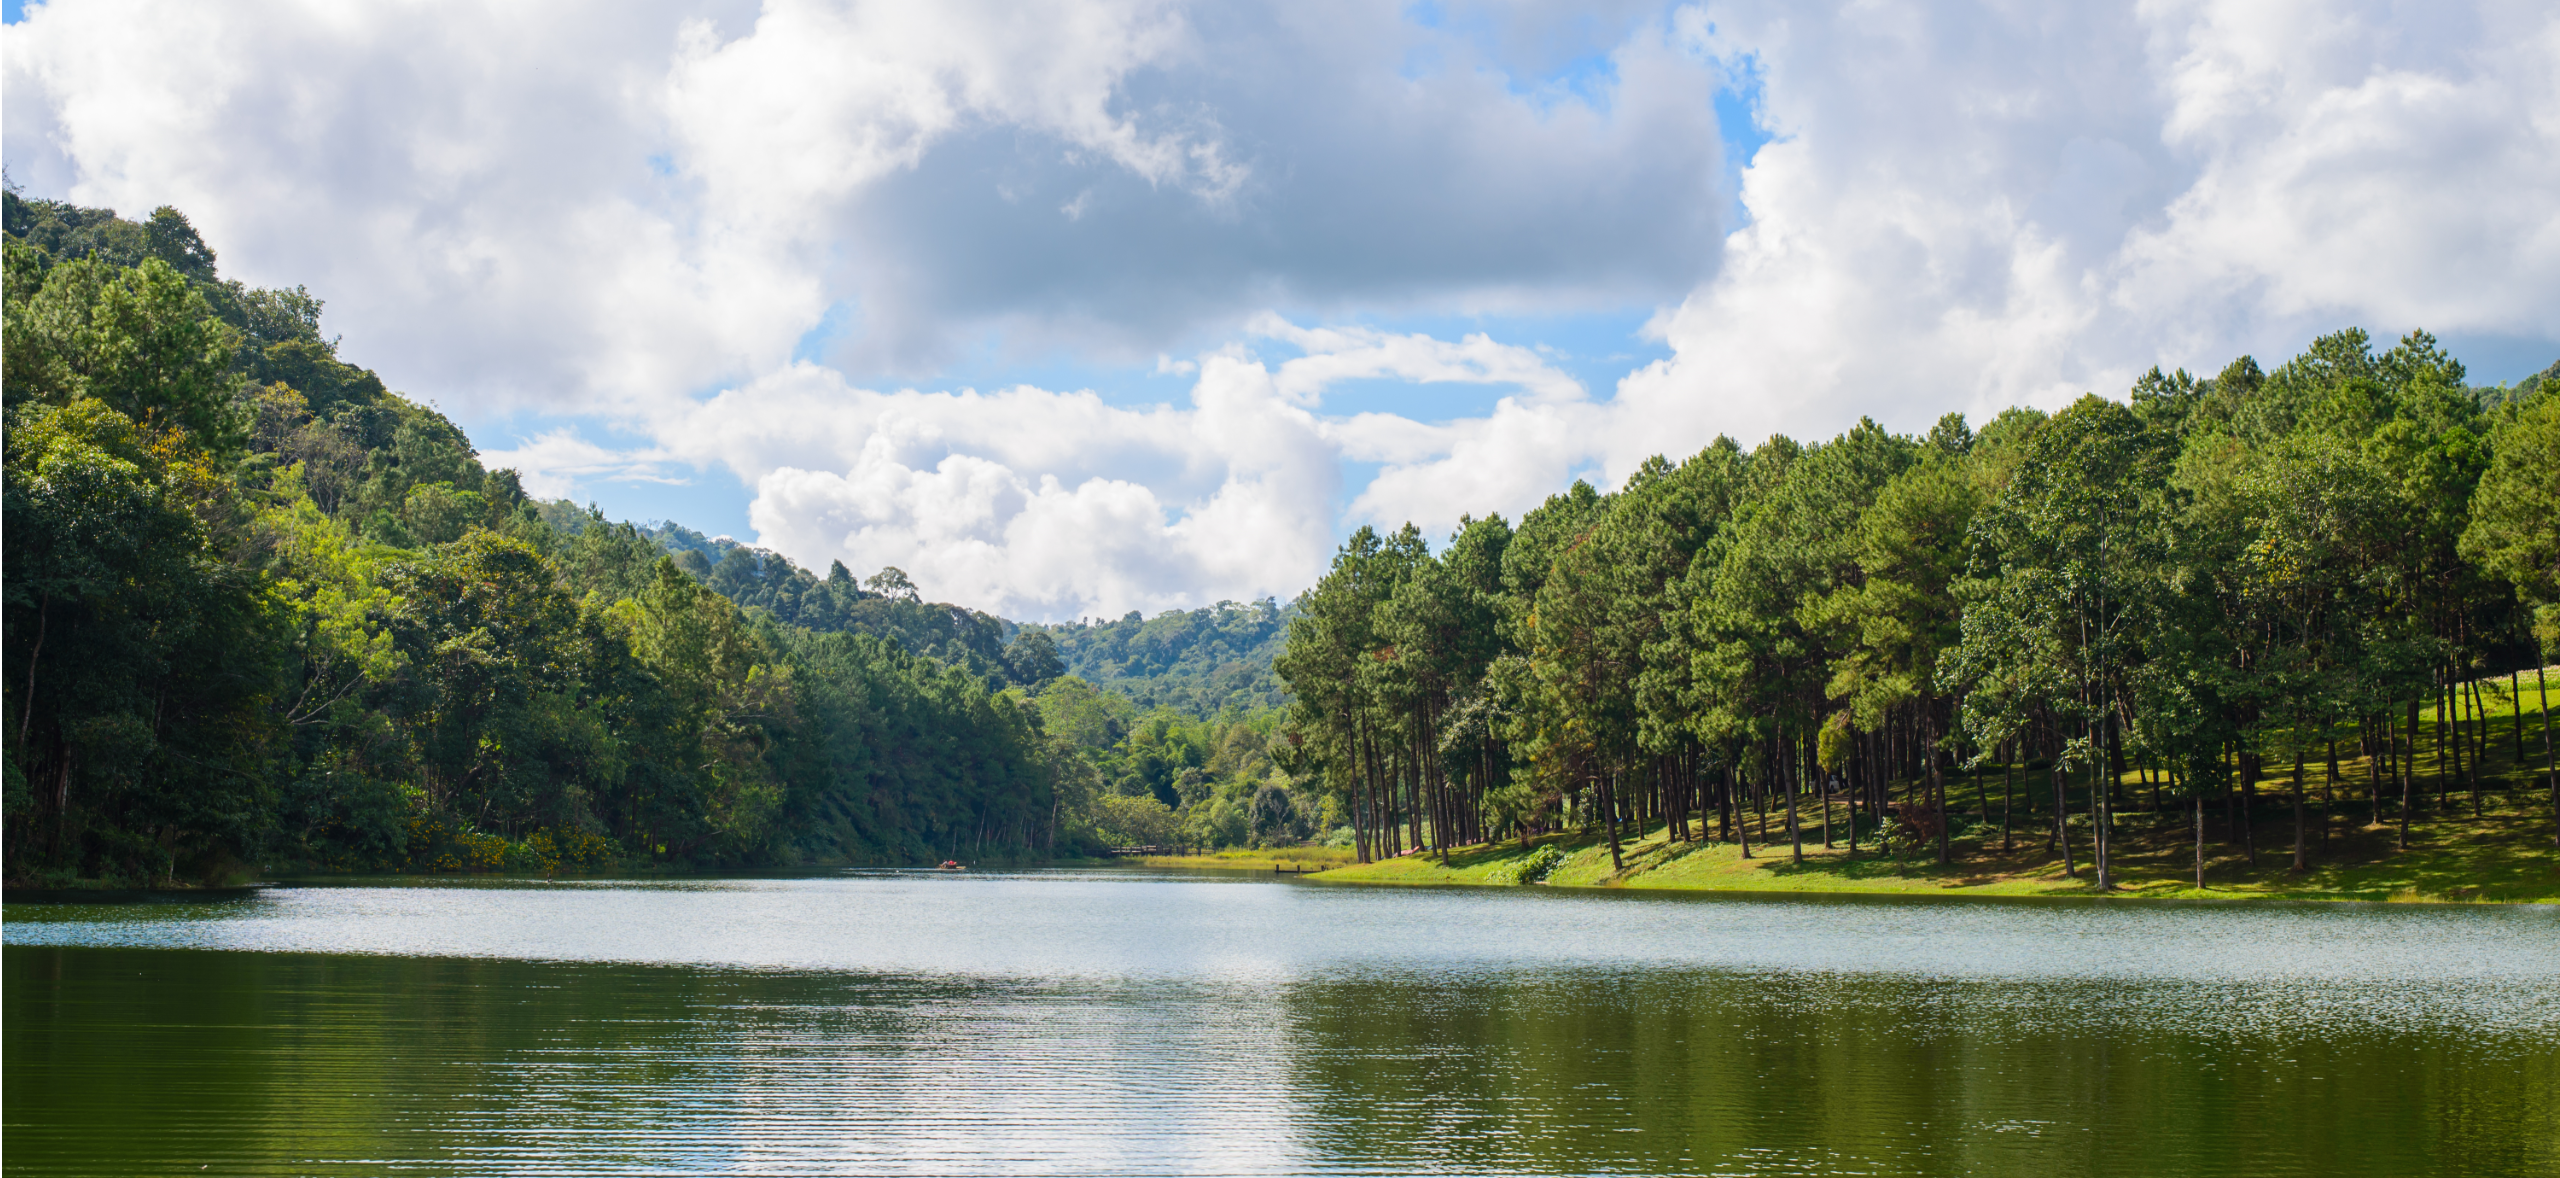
x,y
436,847
568,849
1532,868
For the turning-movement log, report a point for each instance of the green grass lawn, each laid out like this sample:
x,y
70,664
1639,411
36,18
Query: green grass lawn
x,y
2504,856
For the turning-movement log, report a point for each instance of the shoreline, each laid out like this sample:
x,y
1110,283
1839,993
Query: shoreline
x,y
2357,867
2083,894
1288,861
2456,862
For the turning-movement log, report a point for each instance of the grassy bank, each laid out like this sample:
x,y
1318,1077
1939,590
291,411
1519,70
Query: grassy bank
x,y
2504,854
2493,859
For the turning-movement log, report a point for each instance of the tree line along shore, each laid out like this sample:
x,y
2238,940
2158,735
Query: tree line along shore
x,y
2297,614
2470,839
265,615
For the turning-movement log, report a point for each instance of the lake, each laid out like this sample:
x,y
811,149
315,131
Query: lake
x,y
1131,1022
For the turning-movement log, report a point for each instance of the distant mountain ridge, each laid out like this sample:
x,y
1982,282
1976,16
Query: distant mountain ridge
x,y
1196,662
1193,661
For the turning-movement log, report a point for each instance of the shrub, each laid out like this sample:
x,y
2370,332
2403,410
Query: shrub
x,y
1531,868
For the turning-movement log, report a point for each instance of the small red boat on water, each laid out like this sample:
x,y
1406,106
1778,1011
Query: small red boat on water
x,y
951,865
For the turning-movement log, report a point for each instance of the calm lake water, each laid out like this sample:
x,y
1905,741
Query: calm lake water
x,y
1132,1023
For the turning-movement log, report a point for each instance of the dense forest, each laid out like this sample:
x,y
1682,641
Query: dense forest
x,y
1199,662
886,603
1171,714
263,612
2192,602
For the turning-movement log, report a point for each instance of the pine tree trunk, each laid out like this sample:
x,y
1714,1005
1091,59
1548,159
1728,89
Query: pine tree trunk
x,y
2248,805
1853,773
2551,763
2199,800
2479,742
2301,852
2450,732
2408,774
2008,784
1821,784
1361,840
1675,800
2444,758
1444,811
1419,818
1737,823
1725,806
1609,807
2099,797
1937,779
2062,819
2373,758
1787,782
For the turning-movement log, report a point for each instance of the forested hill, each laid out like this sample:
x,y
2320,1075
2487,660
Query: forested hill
x,y
260,609
1197,662
886,604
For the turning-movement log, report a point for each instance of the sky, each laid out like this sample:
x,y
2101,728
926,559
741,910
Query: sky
x,y
1069,309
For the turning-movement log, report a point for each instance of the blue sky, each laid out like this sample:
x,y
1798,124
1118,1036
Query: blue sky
x,y
1105,304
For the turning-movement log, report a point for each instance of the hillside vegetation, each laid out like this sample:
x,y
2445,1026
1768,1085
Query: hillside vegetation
x,y
262,610
1198,662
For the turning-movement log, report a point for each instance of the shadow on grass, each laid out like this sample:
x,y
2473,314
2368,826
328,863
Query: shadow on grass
x,y
1484,854
2504,856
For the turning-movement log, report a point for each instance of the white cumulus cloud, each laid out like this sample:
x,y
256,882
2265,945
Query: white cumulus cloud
x,y
744,230
1970,206
1047,504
